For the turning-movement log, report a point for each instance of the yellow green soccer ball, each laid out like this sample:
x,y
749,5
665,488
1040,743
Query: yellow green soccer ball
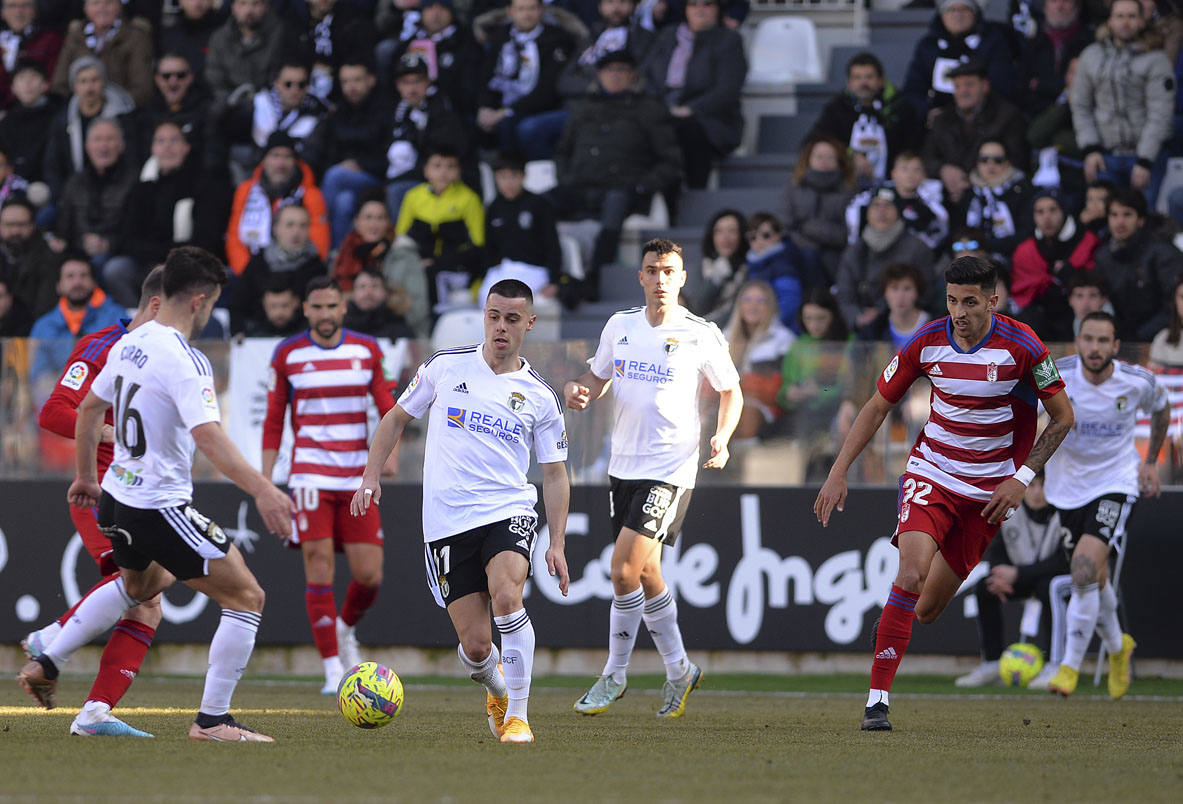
x,y
1020,663
370,695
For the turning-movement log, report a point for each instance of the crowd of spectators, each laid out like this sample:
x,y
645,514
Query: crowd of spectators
x,y
303,137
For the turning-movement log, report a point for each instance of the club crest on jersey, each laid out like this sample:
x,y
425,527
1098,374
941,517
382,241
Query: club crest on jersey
x,y
516,401
75,375
905,510
992,372
619,366
562,443
355,364
671,345
1123,402
456,417
889,372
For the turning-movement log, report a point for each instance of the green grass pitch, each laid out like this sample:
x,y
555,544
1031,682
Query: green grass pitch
x,y
743,738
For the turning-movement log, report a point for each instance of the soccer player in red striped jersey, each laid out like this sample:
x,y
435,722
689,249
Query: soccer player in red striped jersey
x,y
327,374
129,642
971,463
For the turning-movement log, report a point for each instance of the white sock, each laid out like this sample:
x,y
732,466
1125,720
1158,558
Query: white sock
x,y
517,659
1108,626
661,618
878,696
624,620
485,673
1082,621
99,611
93,712
333,667
229,651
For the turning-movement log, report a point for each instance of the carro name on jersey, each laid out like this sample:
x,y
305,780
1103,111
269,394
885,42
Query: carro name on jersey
x,y
133,354
645,372
487,423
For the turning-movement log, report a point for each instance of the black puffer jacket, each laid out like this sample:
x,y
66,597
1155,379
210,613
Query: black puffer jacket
x,y
1141,274
622,140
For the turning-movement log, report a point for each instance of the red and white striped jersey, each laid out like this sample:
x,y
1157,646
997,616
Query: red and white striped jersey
x,y
983,404
328,390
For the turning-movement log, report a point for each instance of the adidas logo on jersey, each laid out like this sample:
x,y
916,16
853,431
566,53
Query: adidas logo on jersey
x,y
887,653
651,524
623,341
462,388
935,371
308,367
522,543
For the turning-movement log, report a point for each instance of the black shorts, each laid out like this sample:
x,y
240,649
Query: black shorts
x,y
179,539
1104,517
456,564
650,507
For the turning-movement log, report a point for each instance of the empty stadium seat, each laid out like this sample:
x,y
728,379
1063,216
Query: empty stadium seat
x,y
784,50
458,328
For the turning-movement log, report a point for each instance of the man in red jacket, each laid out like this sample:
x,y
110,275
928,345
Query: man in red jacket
x,y
133,634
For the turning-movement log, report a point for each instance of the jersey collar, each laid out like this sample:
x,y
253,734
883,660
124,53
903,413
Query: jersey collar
x,y
976,346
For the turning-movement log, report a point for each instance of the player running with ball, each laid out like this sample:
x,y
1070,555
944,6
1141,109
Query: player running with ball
x,y
489,408
971,463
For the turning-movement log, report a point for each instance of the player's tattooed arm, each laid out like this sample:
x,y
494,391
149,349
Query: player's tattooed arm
x,y
1060,421
1160,421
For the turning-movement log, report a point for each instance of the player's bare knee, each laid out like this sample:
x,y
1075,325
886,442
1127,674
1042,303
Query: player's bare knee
x,y
909,579
149,612
625,578
1084,570
476,647
506,599
928,613
369,577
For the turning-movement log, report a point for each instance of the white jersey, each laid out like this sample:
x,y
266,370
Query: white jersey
x,y
160,388
656,373
479,437
1098,456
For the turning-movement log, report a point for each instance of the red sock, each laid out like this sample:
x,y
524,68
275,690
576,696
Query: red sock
x,y
121,661
358,600
895,629
322,616
70,611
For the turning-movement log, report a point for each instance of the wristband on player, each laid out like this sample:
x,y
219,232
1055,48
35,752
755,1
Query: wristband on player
x,y
1025,475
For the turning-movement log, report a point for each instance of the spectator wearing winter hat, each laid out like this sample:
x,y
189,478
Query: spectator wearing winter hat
x,y
978,113
956,35
281,178
1045,263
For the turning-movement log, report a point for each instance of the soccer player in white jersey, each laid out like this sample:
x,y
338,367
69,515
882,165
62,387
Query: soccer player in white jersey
x,y
654,358
1094,480
489,409
327,374
162,390
971,463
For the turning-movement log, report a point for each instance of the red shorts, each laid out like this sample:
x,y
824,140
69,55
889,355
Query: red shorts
x,y
954,522
93,539
325,515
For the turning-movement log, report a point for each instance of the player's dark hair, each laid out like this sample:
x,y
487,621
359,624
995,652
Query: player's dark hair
x,y
1128,197
904,270
322,282
660,246
153,285
190,270
513,289
971,270
864,59
1101,315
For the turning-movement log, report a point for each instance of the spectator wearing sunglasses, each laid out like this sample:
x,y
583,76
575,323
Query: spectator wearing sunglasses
x,y
179,98
998,201
775,259
287,106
